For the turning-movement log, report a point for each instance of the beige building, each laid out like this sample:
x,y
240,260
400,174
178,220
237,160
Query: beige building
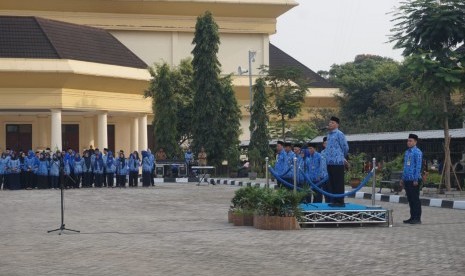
x,y
74,85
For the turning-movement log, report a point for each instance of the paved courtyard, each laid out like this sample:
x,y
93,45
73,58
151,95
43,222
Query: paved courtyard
x,y
182,229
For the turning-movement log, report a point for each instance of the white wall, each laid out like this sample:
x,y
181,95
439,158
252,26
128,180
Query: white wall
x,y
172,47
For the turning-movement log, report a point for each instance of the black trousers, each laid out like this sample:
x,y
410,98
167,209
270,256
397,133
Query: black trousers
x,y
109,179
29,179
336,182
121,181
318,198
413,197
98,179
146,178
87,179
133,179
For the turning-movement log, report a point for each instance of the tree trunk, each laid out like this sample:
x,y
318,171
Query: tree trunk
x,y
447,160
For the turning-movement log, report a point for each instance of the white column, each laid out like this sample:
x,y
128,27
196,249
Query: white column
x,y
102,131
42,121
143,132
134,134
88,131
55,142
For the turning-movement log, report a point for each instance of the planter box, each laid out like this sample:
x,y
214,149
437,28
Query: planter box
x,y
242,220
275,223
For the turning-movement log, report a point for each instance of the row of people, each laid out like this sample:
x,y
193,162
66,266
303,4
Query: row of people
x,y
331,163
50,170
310,164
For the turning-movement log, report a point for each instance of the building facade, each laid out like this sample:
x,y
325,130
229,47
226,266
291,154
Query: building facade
x,y
69,101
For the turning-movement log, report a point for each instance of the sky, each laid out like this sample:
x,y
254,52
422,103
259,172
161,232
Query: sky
x,y
319,33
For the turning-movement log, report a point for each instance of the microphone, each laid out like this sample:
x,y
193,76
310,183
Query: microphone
x,y
323,128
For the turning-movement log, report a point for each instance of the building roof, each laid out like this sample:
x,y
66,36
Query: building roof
x,y
34,37
280,59
402,135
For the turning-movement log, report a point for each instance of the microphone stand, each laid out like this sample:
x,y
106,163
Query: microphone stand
x,y
62,226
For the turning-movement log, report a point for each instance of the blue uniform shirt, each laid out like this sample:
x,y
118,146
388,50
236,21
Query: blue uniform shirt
x,y
316,167
281,165
412,164
336,148
290,164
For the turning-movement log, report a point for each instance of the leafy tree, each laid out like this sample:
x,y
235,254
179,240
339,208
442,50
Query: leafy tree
x,y
430,32
230,116
165,121
213,104
303,131
360,81
288,89
259,136
184,95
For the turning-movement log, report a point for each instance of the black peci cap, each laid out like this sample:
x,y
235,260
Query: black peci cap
x,y
413,136
335,119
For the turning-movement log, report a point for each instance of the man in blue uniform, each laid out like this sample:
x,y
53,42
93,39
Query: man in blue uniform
x,y
289,175
335,153
411,178
316,169
281,165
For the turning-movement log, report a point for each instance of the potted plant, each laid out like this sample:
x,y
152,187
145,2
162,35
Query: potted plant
x,y
392,168
278,210
243,206
355,172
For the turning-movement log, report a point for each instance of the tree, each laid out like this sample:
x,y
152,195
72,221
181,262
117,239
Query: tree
x,y
230,117
211,110
165,121
303,131
288,89
184,96
259,136
360,81
430,32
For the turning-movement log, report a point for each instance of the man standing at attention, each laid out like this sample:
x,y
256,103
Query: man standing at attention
x,y
335,153
411,178
281,167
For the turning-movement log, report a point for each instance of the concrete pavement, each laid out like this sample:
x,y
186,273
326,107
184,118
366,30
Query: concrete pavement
x,y
182,229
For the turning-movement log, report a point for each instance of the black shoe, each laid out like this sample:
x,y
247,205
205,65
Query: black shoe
x,y
415,221
408,220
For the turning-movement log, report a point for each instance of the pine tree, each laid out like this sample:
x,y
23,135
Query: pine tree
x,y
259,136
211,113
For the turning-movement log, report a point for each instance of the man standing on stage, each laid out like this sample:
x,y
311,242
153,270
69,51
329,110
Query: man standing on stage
x,y
335,153
411,178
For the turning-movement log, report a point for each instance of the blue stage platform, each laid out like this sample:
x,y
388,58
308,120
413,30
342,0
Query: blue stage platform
x,y
321,213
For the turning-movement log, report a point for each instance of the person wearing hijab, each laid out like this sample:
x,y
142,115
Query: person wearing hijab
x,y
98,169
78,168
147,165
110,168
42,172
29,167
87,170
134,165
2,170
121,170
14,170
54,171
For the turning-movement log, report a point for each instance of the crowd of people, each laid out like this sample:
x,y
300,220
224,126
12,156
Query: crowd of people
x,y
316,166
69,169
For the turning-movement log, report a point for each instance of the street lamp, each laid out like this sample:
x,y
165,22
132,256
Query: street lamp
x,y
251,59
